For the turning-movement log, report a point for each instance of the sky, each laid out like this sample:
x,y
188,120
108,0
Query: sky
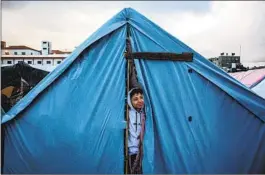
x,y
209,27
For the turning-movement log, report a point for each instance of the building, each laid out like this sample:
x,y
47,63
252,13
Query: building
x,y
55,52
46,48
44,62
52,60
46,58
18,50
227,62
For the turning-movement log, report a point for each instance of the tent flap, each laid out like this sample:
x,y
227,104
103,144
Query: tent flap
x,y
77,133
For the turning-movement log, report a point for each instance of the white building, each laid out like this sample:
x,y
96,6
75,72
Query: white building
x,y
45,58
44,62
19,50
46,48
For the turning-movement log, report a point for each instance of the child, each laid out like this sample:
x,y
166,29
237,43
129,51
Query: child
x,y
136,130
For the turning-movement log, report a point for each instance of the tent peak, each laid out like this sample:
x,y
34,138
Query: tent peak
x,y
128,10
127,13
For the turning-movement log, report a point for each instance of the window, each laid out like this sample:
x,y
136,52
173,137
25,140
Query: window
x,y
20,61
9,62
23,53
48,62
29,62
15,53
31,53
45,42
44,48
58,62
39,62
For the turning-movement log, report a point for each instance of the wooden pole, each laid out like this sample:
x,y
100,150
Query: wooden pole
x,y
127,123
126,163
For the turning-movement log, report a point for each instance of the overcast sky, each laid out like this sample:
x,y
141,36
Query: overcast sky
x,y
209,27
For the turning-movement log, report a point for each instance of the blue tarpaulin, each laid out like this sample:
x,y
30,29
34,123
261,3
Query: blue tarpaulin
x,y
199,119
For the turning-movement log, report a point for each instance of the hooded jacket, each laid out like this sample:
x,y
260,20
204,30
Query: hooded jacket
x,y
136,127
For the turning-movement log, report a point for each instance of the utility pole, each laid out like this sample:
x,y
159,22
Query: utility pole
x,y
240,51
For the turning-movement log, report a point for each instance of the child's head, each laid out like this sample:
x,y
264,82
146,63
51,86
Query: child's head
x,y
137,98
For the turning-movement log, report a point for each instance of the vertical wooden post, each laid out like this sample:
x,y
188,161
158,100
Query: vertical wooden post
x,y
126,163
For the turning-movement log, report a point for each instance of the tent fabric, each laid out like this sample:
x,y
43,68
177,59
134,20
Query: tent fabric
x,y
12,78
259,87
11,75
254,79
258,81
250,77
199,96
198,118
58,135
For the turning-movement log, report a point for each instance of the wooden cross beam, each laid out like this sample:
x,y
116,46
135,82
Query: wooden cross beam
x,y
184,56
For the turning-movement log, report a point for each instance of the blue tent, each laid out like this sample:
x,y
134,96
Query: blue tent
x,y
199,119
259,87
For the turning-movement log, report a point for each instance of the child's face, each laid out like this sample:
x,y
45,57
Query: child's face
x,y
138,101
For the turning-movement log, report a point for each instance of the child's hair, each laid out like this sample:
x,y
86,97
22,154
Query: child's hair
x,y
136,91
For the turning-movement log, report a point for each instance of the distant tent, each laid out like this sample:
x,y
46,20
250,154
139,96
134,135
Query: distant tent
x,y
199,119
47,68
16,81
259,87
250,77
253,79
